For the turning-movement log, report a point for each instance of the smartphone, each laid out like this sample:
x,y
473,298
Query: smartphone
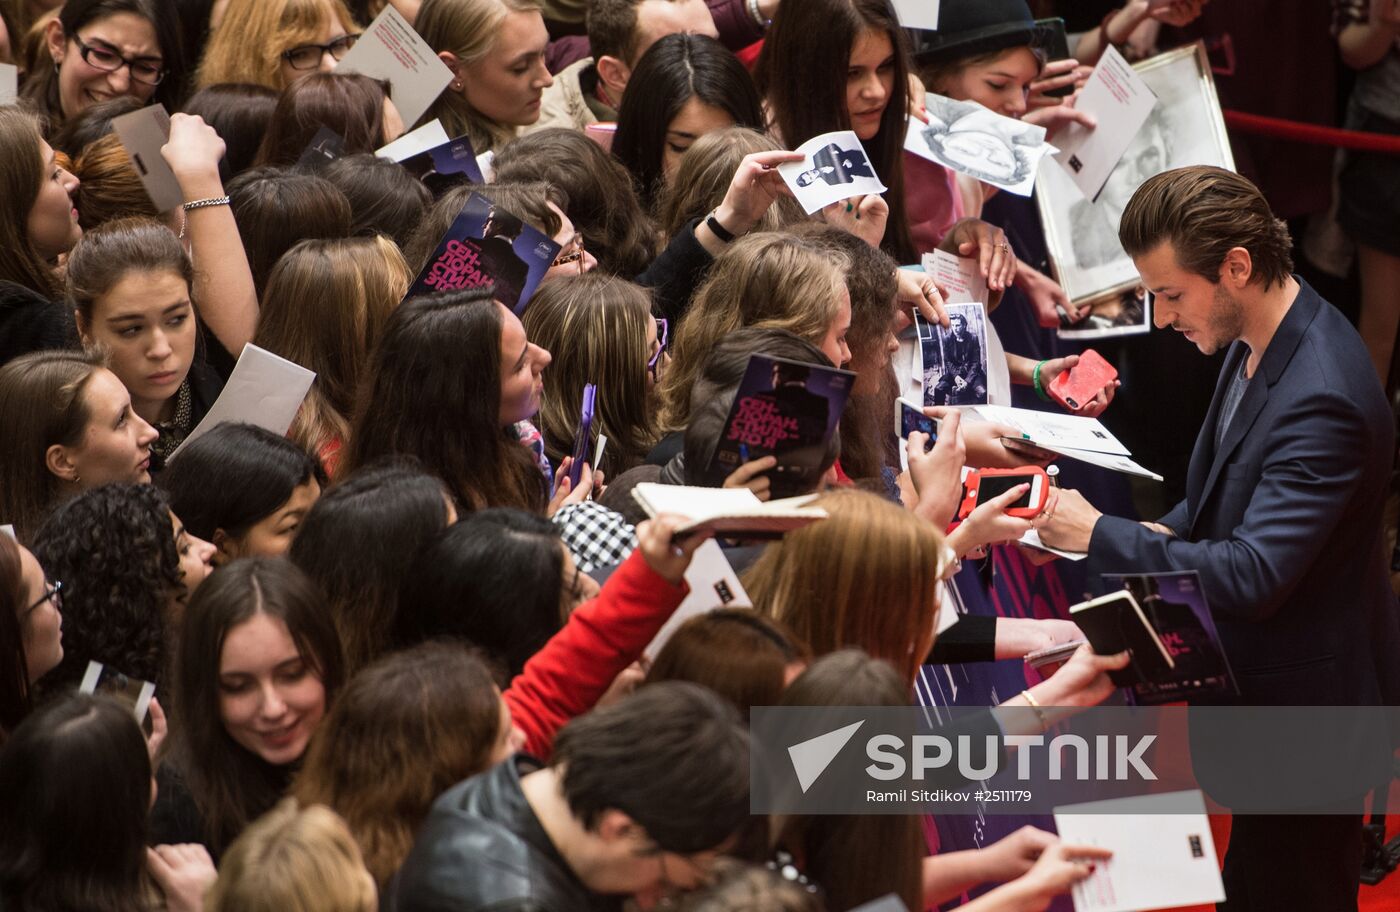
x,y
1052,39
987,484
1081,383
584,437
1052,655
913,419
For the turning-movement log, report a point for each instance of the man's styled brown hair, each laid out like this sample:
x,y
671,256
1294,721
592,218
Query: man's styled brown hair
x,y
612,29
1203,212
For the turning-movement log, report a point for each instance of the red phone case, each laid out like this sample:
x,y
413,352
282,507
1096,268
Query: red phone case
x,y
1081,383
974,481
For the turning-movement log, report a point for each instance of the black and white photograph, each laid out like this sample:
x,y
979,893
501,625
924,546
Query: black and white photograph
x,y
970,139
1184,128
955,359
1118,313
835,167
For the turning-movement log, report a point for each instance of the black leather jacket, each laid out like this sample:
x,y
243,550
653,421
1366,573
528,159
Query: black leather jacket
x,y
483,850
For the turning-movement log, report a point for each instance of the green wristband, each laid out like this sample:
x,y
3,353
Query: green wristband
x,y
1035,379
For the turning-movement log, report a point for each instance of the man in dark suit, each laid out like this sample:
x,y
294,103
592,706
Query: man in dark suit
x,y
1283,513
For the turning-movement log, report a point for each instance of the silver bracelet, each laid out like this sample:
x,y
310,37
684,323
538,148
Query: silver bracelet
x,y
757,16
201,203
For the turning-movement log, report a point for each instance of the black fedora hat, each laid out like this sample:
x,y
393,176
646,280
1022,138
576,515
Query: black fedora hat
x,y
968,28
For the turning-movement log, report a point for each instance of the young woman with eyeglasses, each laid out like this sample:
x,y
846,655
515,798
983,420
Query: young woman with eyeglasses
x,y
604,332
104,49
31,630
276,42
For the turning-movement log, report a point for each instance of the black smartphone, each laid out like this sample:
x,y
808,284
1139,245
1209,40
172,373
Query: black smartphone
x,y
1050,35
912,419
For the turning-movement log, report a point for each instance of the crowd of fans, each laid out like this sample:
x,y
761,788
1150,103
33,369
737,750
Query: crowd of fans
x,y
397,654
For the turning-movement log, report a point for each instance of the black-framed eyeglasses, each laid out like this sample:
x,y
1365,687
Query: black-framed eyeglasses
x,y
53,591
574,254
662,331
308,56
106,59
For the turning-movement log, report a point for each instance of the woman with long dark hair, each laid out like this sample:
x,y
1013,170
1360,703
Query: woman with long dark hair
x,y
75,786
257,667
31,635
463,355
684,87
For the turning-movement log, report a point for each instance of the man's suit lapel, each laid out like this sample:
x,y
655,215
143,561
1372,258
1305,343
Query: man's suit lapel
x,y
1271,367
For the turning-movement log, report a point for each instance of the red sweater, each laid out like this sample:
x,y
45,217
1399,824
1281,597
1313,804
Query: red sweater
x,y
602,637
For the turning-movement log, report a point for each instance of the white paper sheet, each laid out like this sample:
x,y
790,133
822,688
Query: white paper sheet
x,y
713,584
959,276
1163,852
390,49
1032,540
1054,431
9,83
835,167
142,133
972,140
919,14
264,389
1111,461
429,136
1120,101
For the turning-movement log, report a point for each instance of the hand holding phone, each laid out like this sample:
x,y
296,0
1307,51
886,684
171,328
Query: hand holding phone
x,y
985,484
912,418
1077,387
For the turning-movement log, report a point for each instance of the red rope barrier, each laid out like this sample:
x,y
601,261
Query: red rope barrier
x,y
1312,133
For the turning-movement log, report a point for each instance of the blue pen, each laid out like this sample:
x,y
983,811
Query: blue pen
x,y
743,453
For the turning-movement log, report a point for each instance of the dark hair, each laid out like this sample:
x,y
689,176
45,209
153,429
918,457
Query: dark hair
x,y
673,757
93,123
275,208
43,402
357,544
41,85
674,70
109,252
718,384
494,580
230,785
868,441
384,198
14,666
738,887
114,549
801,73
856,858
75,789
529,202
603,203
612,29
736,652
403,731
240,113
22,175
1204,212
349,103
234,477
440,355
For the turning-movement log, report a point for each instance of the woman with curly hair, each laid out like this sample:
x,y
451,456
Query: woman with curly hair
x,y
128,568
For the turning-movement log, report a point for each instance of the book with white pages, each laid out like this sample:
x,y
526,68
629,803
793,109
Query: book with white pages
x,y
728,511
1163,852
1074,436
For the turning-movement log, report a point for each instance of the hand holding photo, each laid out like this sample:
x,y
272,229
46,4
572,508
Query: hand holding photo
x,y
955,359
970,139
142,134
958,275
133,693
1119,101
834,168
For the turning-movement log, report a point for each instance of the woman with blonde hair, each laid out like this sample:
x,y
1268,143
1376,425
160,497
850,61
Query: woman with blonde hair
x,y
705,173
405,729
604,332
325,305
294,860
274,42
495,50
770,280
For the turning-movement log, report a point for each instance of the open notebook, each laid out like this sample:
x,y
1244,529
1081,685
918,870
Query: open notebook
x,y
728,511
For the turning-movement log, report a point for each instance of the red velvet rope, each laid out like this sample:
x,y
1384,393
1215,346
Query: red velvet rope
x,y
1312,133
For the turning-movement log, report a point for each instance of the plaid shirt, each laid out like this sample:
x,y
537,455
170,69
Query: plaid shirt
x,y
595,535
